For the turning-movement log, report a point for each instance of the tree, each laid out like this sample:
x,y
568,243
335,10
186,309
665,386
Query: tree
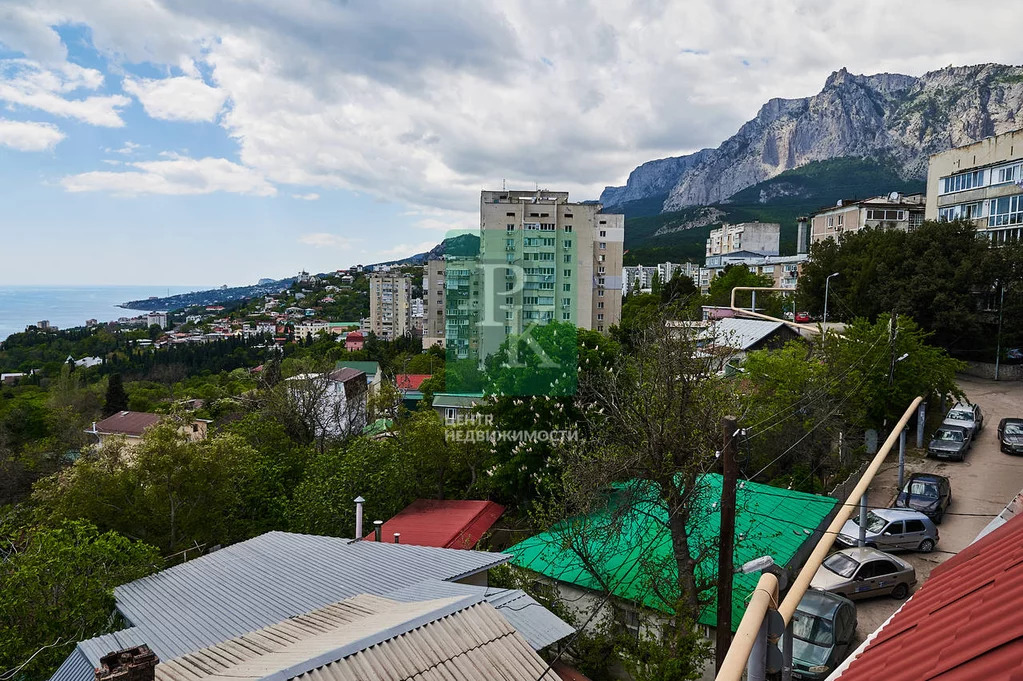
x,y
655,284
653,422
56,587
116,397
720,292
679,288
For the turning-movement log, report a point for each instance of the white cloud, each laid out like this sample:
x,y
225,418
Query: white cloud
x,y
326,240
127,149
177,99
180,175
311,196
405,250
29,84
29,136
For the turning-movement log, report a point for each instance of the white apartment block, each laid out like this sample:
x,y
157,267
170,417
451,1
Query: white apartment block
x,y
892,211
982,182
755,237
390,304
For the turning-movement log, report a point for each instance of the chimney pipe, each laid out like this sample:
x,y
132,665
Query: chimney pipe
x,y
359,501
377,528
397,536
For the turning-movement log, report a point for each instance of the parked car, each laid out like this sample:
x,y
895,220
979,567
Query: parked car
x,y
967,415
950,442
928,493
892,528
823,628
1010,436
864,573
803,317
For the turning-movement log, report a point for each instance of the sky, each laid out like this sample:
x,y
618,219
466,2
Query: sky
x,y
190,141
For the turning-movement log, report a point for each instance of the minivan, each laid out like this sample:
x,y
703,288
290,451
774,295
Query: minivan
x,y
892,529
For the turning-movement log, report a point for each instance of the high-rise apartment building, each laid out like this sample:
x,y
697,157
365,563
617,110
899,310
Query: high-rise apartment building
x,y
983,182
390,304
434,301
755,237
547,259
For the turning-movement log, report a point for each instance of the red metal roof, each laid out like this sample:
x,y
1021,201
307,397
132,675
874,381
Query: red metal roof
x,y
448,524
410,381
132,423
965,622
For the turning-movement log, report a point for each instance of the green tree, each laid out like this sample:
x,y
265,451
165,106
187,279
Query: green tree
x,y
116,397
56,587
720,292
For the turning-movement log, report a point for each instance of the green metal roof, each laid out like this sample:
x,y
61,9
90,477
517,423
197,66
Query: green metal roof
x,y
381,425
457,399
629,546
368,368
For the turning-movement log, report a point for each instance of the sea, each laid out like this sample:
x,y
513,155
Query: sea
x,y
67,306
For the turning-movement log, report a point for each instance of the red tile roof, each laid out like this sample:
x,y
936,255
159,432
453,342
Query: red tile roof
x,y
410,381
131,423
965,622
448,524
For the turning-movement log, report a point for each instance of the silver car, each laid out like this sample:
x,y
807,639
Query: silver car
x,y
969,416
890,529
863,573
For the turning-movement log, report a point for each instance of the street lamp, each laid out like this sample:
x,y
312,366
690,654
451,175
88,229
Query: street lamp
x,y
827,282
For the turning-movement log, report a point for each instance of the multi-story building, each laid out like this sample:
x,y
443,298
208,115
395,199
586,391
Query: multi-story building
x,y
543,259
982,182
756,237
157,319
638,274
390,304
783,269
433,303
892,211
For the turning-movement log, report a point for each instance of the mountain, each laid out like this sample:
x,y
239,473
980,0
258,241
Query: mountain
x,y
457,245
681,235
894,119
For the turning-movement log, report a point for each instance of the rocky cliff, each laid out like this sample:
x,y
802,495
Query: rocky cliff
x,y
893,118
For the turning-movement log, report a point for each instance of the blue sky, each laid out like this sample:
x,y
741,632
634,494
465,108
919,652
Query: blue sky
x,y
189,142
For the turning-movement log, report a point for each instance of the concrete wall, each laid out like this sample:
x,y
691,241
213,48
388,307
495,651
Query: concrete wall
x,y
1006,372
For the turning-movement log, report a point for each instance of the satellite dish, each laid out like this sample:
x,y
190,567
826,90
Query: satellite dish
x,y
894,196
839,203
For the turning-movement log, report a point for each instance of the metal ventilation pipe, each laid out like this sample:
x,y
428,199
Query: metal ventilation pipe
x,y
377,529
359,501
397,537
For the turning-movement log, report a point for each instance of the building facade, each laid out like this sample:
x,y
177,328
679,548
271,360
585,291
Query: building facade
x,y
434,301
892,211
558,261
982,182
758,237
390,304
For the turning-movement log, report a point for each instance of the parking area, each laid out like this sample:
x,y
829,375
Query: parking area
x,y
981,487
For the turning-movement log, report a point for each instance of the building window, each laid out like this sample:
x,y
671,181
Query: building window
x,y
603,232
1007,210
567,273
566,301
510,228
567,243
600,316
568,228
600,305
962,181
601,257
449,415
600,293
568,257
1006,174
841,220
600,270
510,215
887,215
508,285
831,221
603,245
968,211
600,327
566,316
568,216
566,287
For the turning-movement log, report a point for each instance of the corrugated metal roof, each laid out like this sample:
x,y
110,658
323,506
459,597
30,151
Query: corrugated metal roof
x,y
368,637
464,400
742,334
965,622
276,575
85,658
132,423
629,539
446,523
538,625
369,368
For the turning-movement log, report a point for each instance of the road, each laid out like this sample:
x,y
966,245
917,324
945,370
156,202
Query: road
x,y
983,484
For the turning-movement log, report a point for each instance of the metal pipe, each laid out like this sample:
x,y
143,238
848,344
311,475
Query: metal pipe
x,y
998,343
902,457
764,596
397,537
757,315
377,529
862,541
802,581
359,501
827,282
756,667
921,424
786,653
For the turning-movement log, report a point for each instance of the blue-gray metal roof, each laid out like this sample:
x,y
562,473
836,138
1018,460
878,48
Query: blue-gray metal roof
x,y
538,625
80,664
269,578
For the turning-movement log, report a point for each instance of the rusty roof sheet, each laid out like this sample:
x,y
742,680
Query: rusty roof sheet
x,y
132,423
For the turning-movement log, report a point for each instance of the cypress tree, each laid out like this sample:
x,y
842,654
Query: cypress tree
x,y
117,398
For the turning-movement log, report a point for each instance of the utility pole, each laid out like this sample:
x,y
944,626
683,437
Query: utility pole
x,y
729,470
998,345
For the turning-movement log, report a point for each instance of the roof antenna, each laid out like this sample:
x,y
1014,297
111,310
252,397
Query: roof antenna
x,y
504,185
